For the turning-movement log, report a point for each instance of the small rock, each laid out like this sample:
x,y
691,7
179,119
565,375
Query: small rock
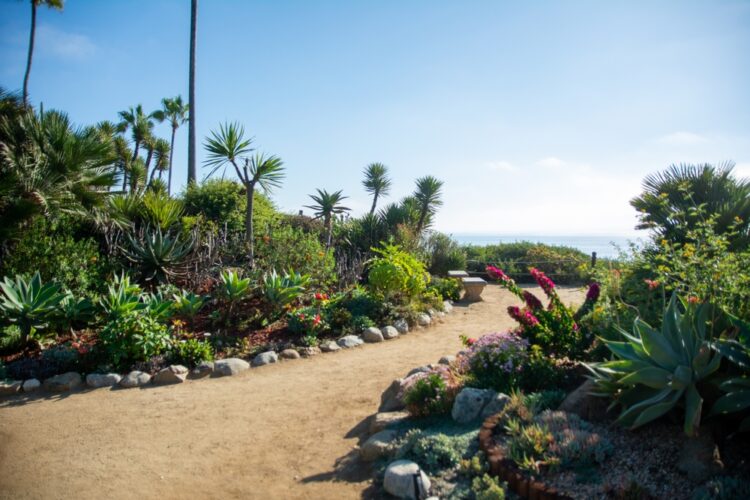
x,y
469,404
31,385
265,358
97,380
419,369
289,354
350,341
312,351
230,366
424,319
433,313
447,306
401,325
404,479
391,400
583,404
377,446
372,335
173,374
386,419
135,379
390,332
699,457
329,346
204,369
10,387
446,360
64,382
495,405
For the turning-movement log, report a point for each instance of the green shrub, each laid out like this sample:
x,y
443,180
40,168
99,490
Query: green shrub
x,y
360,323
283,290
3,371
446,288
232,289
288,247
487,487
429,395
444,254
133,336
122,297
397,274
434,452
307,321
159,255
192,352
187,305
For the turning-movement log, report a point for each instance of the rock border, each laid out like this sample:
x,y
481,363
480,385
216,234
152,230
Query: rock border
x,y
506,470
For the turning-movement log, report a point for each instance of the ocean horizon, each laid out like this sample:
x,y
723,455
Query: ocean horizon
x,y
606,246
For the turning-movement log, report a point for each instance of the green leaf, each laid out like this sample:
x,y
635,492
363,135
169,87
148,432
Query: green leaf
x,y
731,402
657,346
693,407
657,378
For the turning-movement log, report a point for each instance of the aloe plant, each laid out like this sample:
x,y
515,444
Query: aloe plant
x,y
281,290
233,289
159,255
122,297
187,304
29,304
655,370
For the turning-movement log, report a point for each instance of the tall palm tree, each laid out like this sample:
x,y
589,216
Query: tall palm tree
x,y
229,145
53,4
326,206
140,126
376,182
428,198
176,112
191,92
161,155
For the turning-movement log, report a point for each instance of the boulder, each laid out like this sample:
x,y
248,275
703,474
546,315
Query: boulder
x,y
329,346
447,306
433,313
289,354
350,341
97,380
64,382
230,366
204,369
404,479
372,335
265,358
390,332
391,400
377,446
9,387
469,404
401,325
312,351
382,420
135,379
583,404
699,457
173,374
495,405
447,360
31,385
424,319
419,369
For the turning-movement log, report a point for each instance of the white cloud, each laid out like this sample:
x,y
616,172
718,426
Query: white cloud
x,y
682,139
742,170
65,45
502,166
551,162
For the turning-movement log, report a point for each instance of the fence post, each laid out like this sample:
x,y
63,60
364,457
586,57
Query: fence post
x,y
593,259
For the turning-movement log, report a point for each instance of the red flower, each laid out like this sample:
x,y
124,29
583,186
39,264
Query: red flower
x,y
471,341
652,284
316,321
693,299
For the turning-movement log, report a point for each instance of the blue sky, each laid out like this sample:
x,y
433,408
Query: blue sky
x,y
541,117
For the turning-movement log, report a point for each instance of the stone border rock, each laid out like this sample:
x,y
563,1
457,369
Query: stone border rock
x,y
506,470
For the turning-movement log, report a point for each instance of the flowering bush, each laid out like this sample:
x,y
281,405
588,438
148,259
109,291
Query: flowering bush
x,y
495,360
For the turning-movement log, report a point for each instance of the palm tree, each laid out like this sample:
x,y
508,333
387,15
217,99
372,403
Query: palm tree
x,y
326,206
376,182
176,112
53,4
191,92
161,153
229,145
140,126
427,196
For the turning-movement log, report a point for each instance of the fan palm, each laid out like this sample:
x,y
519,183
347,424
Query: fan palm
x,y
176,113
376,182
53,4
140,127
162,154
326,206
229,145
427,196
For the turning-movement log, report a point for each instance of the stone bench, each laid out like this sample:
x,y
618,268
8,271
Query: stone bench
x,y
473,288
458,274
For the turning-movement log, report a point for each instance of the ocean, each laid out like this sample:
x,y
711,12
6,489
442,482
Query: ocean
x,y
604,246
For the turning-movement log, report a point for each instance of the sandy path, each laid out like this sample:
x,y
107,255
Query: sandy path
x,y
280,431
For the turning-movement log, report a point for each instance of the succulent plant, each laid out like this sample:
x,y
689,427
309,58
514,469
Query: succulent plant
x,y
159,255
29,304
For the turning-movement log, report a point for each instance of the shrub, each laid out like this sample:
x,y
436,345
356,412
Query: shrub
x,y
361,323
192,352
283,290
187,305
232,289
133,336
487,487
446,288
434,452
429,395
288,247
444,254
121,298
540,371
397,274
495,361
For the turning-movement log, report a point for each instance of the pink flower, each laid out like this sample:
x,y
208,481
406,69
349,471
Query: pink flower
x,y
593,293
531,300
547,284
497,273
652,284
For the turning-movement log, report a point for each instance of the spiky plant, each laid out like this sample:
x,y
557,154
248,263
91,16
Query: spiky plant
x,y
158,255
176,113
326,206
376,182
428,197
30,304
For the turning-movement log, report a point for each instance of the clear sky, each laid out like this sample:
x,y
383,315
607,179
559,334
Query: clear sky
x,y
541,117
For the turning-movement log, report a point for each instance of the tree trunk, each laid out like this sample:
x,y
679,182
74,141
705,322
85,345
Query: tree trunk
x,y
191,92
422,217
374,202
249,237
32,33
329,231
171,150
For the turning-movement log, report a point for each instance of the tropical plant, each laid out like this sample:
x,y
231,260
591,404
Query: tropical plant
x,y
654,370
121,298
283,290
176,113
140,125
30,304
376,182
158,255
428,198
187,305
53,4
327,205
75,312
233,289
444,254
161,211
736,389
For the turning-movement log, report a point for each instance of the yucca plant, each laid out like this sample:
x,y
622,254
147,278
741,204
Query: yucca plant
x,y
122,297
282,290
29,304
655,370
233,289
159,255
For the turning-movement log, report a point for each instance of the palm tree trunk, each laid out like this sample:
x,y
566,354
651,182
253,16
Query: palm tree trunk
x,y
374,202
249,239
191,92
329,231
32,34
171,150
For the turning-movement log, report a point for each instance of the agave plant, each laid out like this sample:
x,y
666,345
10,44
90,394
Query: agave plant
x,y
187,304
29,304
233,289
75,312
655,370
160,255
281,290
121,298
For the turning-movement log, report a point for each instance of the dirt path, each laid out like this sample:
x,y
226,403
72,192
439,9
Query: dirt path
x,y
280,431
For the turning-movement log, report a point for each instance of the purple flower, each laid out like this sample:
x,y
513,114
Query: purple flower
x,y
593,293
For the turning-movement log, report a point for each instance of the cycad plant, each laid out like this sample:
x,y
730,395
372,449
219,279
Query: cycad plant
x,y
326,206
376,182
29,304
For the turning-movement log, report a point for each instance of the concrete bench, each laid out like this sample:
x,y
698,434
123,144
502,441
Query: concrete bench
x,y
458,274
473,288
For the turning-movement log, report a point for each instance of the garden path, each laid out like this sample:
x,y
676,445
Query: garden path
x,y
281,431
